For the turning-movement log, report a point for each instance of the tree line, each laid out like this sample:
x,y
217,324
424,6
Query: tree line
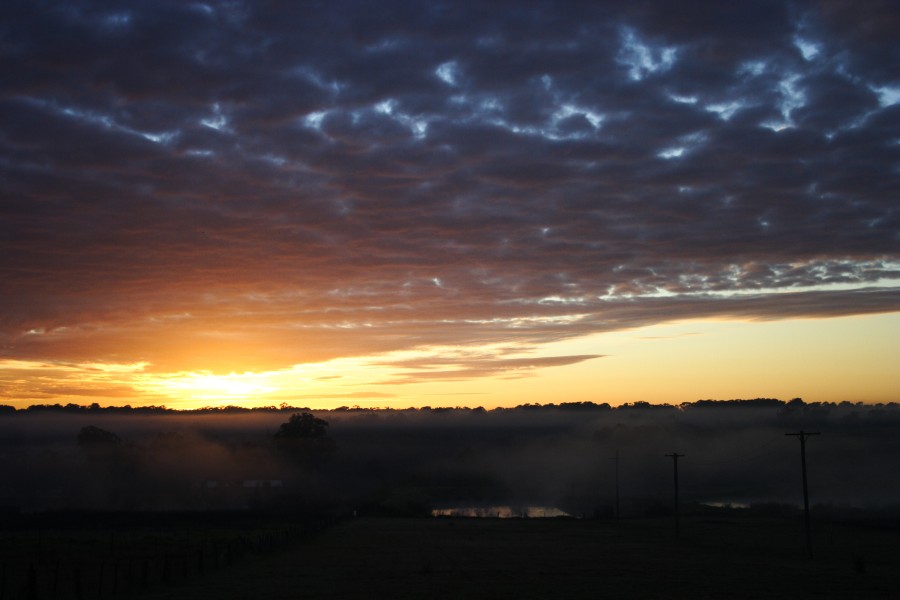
x,y
127,409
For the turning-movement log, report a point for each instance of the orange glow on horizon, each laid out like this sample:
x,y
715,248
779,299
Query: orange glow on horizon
x,y
848,358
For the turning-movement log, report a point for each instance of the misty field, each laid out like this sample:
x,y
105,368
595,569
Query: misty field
x,y
561,558
211,505
407,462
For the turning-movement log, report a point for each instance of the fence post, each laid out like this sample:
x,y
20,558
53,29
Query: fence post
x,y
56,578
31,585
100,582
78,591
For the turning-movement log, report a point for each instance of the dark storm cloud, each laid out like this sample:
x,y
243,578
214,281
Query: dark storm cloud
x,y
224,182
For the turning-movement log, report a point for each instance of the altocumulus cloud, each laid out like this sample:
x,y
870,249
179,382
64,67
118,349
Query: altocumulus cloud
x,y
255,184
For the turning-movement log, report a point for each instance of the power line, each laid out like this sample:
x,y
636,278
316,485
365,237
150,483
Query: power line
x,y
675,456
802,435
616,458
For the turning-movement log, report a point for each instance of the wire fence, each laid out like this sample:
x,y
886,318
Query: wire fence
x,y
90,564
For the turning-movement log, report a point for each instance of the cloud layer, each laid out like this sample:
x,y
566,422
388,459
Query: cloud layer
x,y
254,185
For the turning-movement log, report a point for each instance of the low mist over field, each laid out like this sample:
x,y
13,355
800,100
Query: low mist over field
x,y
411,461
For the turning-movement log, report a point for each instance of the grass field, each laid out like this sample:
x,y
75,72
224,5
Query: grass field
x,y
554,558
64,556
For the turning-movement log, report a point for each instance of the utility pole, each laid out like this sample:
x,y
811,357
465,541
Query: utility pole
x,y
616,458
675,456
802,435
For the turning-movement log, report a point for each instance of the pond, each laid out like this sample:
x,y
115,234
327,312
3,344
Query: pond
x,y
501,512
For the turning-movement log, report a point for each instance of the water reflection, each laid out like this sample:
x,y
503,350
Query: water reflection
x,y
726,504
501,512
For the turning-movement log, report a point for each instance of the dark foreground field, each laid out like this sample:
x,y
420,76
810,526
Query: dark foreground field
x,y
549,558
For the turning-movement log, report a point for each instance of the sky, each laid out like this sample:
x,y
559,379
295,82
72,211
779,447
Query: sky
x,y
448,203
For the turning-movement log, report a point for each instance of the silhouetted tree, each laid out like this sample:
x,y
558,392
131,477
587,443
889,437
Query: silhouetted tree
x,y
304,438
101,446
94,437
303,425
114,468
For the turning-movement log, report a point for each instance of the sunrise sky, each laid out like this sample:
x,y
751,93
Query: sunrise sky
x,y
448,203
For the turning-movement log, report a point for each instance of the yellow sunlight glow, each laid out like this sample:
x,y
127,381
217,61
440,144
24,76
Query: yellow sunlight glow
x,y
207,386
